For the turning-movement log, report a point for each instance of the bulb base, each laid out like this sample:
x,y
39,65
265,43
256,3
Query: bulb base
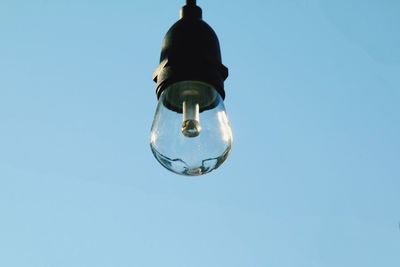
x,y
190,52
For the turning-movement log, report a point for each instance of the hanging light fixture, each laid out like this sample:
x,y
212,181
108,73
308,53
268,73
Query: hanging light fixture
x,y
190,134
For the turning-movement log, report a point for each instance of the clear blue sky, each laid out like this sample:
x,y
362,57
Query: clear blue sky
x,y
314,100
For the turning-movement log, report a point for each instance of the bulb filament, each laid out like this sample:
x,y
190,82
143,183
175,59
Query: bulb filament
x,y
190,118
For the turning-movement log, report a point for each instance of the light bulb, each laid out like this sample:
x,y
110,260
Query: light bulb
x,y
190,134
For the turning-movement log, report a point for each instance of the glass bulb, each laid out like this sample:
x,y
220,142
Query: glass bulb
x,y
190,134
